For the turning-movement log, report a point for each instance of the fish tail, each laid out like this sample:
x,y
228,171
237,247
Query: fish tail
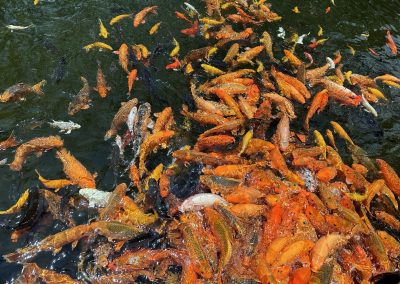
x,y
38,87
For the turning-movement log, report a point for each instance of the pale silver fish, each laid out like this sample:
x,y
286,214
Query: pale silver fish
x,y
301,38
131,119
64,126
331,63
200,201
368,106
118,141
191,8
19,28
281,33
96,198
3,162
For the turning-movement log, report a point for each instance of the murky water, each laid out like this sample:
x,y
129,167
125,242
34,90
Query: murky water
x,y
52,50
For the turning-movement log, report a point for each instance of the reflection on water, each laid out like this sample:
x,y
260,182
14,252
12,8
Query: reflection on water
x,y
51,49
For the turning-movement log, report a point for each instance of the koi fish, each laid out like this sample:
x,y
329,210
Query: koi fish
x,y
103,30
139,17
9,142
193,30
20,90
176,49
212,70
154,28
342,133
102,87
98,44
390,43
82,100
75,171
131,80
118,18
120,118
123,57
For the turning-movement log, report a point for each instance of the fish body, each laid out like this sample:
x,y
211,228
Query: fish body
x,y
131,80
103,30
75,171
212,70
64,126
82,100
139,17
154,28
267,41
341,132
176,49
102,87
368,107
19,28
20,90
391,43
9,142
118,18
123,57
98,44
120,118
35,145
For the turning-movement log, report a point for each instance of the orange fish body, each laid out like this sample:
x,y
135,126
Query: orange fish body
x,y
139,17
9,142
150,143
390,176
131,80
193,30
292,58
182,16
76,172
102,87
120,118
391,43
315,105
123,57
38,145
211,142
174,65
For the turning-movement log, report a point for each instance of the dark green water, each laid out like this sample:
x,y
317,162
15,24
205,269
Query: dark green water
x,y
54,47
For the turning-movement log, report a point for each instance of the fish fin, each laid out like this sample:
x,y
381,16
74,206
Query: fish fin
x,y
68,132
95,89
38,87
87,106
38,154
74,244
108,88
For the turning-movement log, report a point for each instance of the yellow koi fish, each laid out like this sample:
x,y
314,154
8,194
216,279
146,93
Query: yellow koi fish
x,y
103,30
352,50
319,139
119,18
15,208
321,31
342,133
98,44
212,70
176,49
154,28
246,139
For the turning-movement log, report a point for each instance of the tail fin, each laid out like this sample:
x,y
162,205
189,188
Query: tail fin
x,y
38,87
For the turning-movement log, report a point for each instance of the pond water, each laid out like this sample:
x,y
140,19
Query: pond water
x,y
52,49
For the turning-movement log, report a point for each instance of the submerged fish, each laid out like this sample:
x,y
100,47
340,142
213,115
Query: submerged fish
x,y
81,100
64,126
20,90
19,28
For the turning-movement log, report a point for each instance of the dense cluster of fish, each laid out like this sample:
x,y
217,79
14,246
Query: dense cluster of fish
x,y
251,201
